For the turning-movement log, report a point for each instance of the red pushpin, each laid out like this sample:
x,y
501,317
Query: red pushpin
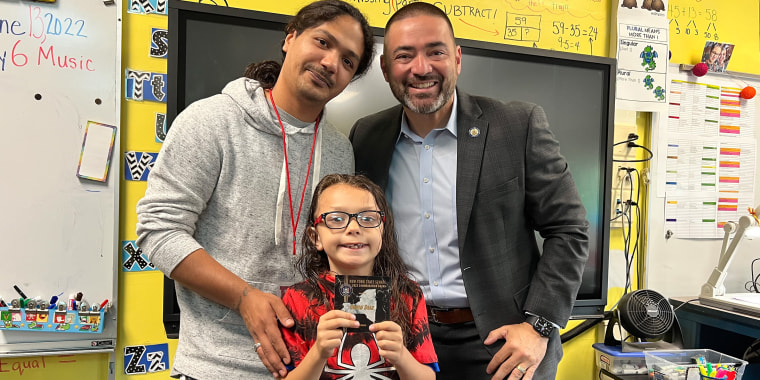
x,y
748,92
699,69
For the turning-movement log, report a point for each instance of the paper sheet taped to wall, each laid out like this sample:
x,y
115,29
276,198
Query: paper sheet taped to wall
x,y
96,151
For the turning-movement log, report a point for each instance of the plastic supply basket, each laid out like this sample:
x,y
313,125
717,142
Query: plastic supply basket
x,y
683,364
617,362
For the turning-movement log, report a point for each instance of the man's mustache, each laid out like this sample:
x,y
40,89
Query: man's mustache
x,y
322,74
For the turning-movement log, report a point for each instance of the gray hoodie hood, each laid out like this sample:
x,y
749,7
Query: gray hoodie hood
x,y
252,99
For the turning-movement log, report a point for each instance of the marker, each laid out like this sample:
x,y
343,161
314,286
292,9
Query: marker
x,y
19,291
102,304
2,303
54,299
79,296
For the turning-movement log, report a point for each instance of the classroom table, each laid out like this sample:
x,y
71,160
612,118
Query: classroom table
x,y
721,330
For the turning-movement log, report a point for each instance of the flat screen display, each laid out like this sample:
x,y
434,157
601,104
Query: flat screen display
x,y
211,45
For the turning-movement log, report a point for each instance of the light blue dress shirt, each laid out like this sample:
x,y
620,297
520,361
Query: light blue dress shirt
x,y
422,194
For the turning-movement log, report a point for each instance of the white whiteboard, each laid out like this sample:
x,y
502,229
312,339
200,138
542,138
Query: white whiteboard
x,y
679,267
60,67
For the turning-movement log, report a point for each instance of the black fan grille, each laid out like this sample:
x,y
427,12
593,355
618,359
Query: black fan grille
x,y
645,314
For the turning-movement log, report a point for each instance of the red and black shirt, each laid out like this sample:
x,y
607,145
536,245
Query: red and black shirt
x,y
357,356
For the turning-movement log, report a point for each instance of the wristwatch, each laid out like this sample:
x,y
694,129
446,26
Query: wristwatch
x,y
543,326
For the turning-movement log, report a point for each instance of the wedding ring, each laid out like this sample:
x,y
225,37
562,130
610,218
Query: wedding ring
x,y
521,369
257,345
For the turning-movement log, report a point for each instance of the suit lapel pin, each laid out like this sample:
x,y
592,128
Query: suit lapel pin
x,y
474,132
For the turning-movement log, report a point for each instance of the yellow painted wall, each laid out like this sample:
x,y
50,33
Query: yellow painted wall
x,y
579,26
736,22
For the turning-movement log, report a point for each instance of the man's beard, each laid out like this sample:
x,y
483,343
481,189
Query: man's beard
x,y
310,93
402,95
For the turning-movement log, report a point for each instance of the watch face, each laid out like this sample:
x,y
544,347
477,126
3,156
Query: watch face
x,y
545,328
542,326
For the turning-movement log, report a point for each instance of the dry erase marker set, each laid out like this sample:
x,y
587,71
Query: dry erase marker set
x,y
35,314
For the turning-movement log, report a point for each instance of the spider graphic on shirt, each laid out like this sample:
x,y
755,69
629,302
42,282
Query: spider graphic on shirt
x,y
362,369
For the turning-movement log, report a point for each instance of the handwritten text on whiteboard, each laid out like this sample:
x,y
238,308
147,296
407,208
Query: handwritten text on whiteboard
x,y
44,39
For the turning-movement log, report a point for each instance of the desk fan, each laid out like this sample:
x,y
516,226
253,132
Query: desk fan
x,y
647,316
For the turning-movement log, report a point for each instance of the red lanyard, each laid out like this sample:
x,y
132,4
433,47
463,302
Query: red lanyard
x,y
294,222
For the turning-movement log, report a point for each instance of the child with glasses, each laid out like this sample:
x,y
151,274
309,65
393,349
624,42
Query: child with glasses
x,y
351,233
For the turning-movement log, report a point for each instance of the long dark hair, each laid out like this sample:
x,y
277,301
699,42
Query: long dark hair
x,y
310,16
313,262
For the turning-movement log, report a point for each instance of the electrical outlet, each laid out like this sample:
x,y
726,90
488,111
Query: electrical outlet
x,y
623,151
620,178
620,205
620,197
616,210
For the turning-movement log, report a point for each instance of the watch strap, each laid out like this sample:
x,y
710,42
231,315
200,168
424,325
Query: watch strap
x,y
543,326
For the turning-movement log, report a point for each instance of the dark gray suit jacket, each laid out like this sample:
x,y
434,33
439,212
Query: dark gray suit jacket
x,y
511,181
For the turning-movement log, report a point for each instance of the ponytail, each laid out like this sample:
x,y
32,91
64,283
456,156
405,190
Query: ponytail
x,y
264,72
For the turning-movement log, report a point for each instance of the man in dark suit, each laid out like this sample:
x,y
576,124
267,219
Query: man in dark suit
x,y
469,180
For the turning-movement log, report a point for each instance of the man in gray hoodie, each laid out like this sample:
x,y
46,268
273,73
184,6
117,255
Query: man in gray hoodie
x,y
232,182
